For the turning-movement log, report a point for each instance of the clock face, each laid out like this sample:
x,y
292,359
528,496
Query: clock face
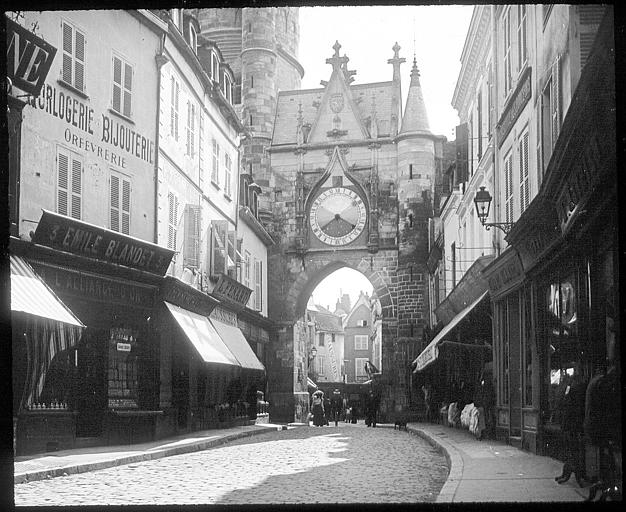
x,y
338,216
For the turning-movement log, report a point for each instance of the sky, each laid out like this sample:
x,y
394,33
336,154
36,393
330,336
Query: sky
x,y
367,35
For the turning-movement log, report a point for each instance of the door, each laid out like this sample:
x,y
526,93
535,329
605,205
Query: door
x,y
180,384
90,391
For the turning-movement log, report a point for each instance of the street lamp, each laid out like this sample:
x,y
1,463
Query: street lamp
x,y
482,200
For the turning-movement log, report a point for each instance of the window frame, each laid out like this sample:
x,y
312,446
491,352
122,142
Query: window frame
x,y
522,37
174,107
72,196
227,174
258,284
359,338
190,129
507,66
124,65
215,169
71,83
509,196
356,367
524,161
122,178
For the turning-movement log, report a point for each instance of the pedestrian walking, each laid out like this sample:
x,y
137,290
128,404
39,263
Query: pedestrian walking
x,y
317,408
336,406
327,410
371,409
572,416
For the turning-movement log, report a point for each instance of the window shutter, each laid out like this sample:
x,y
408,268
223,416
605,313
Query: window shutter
x,y
115,203
77,179
201,147
172,220
192,236
128,87
193,129
219,228
117,84
462,136
176,98
188,130
539,139
63,183
66,70
79,63
172,103
125,206
555,95
523,173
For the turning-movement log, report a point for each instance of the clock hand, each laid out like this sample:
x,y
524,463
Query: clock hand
x,y
335,218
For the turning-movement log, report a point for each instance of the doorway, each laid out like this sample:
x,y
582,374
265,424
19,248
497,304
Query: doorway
x,y
90,391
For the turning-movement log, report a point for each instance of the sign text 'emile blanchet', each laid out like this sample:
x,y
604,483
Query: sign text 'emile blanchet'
x,y
78,237
28,58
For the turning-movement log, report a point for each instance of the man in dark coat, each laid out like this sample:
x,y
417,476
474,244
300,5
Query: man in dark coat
x,y
336,405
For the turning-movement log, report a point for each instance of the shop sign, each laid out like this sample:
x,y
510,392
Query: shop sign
x,y
96,288
532,247
514,108
28,58
224,315
429,355
505,273
186,297
123,347
228,288
579,183
71,235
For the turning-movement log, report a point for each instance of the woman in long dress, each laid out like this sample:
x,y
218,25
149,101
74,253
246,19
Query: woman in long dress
x,y
317,408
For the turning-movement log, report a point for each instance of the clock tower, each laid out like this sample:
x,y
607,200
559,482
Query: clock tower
x,y
351,182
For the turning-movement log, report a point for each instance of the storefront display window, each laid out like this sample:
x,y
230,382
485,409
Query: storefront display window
x,y
528,346
503,377
561,330
123,374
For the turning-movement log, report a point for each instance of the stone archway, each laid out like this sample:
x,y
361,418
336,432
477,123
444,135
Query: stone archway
x,y
287,385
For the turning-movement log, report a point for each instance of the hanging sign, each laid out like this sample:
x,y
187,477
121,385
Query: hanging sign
x,y
28,58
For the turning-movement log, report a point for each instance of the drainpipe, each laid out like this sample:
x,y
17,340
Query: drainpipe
x,y
160,59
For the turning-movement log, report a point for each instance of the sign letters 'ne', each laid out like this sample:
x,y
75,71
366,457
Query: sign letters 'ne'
x,y
28,58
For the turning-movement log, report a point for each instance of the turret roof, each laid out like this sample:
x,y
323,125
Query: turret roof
x,y
415,118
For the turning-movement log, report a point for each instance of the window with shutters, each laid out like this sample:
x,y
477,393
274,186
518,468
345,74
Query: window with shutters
x,y
215,170
174,99
490,109
74,52
191,129
508,186
219,234
227,174
479,125
258,285
201,149
522,47
172,221
524,192
555,106
122,86
507,67
246,269
550,116
470,125
120,203
191,251
69,183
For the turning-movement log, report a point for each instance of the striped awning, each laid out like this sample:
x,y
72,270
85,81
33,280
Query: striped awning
x,y
202,336
29,294
236,342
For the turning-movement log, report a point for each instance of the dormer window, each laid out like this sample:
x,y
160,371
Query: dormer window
x,y
228,89
175,15
215,67
193,38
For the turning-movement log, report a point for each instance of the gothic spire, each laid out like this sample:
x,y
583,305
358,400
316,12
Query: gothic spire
x,y
415,118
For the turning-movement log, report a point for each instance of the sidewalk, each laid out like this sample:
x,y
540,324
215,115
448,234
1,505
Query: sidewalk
x,y
494,471
66,462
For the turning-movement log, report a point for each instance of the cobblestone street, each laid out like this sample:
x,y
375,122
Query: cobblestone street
x,y
347,464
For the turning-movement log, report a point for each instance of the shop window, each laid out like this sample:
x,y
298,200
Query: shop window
x,y
74,50
120,203
123,375
561,333
69,183
122,86
503,363
528,349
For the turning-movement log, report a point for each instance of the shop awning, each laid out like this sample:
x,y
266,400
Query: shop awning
x,y
29,294
236,342
202,336
431,352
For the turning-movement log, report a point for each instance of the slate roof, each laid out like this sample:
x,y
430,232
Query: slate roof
x,y
415,118
327,321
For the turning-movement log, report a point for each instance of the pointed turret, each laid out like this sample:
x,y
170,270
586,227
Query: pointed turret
x,y
415,118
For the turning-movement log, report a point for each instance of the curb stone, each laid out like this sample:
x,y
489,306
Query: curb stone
x,y
120,461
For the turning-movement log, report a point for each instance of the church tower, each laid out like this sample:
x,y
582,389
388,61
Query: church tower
x,y
261,46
